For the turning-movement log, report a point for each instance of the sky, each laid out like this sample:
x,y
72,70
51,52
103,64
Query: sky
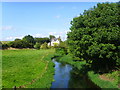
x,y
39,19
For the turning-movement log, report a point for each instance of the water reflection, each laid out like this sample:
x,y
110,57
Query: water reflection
x,y
68,77
62,75
77,80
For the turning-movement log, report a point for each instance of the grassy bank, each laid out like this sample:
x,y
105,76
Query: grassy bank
x,y
110,80
27,68
68,59
102,82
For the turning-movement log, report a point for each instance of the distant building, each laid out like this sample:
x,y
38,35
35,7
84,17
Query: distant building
x,y
54,41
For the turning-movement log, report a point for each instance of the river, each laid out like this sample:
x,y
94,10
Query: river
x,y
66,76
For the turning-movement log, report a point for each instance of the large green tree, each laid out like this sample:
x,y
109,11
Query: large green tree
x,y
29,40
95,36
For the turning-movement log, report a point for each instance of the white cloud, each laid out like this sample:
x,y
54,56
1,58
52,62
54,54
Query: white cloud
x,y
58,16
52,33
38,35
11,38
61,33
7,28
58,33
67,31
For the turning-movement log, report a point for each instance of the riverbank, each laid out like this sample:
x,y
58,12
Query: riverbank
x,y
107,80
70,77
27,68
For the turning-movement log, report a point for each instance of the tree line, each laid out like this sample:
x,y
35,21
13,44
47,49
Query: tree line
x,y
95,36
28,41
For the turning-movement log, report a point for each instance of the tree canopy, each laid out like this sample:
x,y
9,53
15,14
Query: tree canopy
x,y
95,36
27,41
42,40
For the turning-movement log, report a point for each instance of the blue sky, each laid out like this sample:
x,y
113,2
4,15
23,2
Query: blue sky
x,y
39,19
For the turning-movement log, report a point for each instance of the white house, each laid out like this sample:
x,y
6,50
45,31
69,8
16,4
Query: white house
x,y
54,41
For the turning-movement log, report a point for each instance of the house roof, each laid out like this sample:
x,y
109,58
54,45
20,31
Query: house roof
x,y
54,39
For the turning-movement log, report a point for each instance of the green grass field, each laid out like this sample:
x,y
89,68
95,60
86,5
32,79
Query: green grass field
x,y
27,68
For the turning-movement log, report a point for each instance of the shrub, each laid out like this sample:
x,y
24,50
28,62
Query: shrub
x,y
44,46
5,46
37,46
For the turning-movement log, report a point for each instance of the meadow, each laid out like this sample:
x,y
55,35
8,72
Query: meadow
x,y
27,68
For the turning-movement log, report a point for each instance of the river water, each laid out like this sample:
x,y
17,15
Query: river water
x,y
66,76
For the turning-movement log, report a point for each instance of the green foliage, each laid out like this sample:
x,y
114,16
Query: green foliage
x,y
51,37
60,52
101,83
59,39
95,36
70,60
17,39
5,46
94,77
42,40
0,45
29,40
5,42
63,44
61,49
44,46
20,44
55,45
26,42
16,44
37,46
114,76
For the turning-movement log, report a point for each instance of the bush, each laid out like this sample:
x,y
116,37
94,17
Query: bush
x,y
5,46
37,46
61,49
44,46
